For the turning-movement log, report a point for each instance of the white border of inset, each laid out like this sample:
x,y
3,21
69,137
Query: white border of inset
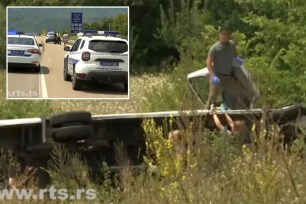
x,y
41,78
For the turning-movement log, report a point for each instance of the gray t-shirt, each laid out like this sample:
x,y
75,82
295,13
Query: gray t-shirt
x,y
223,56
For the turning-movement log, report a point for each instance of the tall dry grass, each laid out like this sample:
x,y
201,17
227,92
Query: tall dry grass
x,y
213,169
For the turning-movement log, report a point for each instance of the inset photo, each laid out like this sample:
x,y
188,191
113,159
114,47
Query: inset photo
x,y
67,53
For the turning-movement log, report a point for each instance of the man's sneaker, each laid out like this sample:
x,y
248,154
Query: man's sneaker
x,y
212,109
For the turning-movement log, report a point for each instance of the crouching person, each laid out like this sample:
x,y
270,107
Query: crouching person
x,y
177,140
179,143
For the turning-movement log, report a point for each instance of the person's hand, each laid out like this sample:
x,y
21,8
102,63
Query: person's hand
x,y
240,61
215,80
223,107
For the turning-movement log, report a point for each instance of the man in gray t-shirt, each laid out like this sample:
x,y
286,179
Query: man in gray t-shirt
x,y
220,67
223,55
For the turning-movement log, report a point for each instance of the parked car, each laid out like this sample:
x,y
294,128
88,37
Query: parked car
x,y
23,51
50,37
97,58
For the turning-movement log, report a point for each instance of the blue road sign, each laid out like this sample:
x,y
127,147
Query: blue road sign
x,y
76,22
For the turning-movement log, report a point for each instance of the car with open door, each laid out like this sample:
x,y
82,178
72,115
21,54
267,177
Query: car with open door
x,y
199,84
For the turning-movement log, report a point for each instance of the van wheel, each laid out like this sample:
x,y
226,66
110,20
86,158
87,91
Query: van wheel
x,y
77,117
75,132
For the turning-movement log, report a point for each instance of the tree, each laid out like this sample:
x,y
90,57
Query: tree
x,y
269,34
276,49
2,37
120,24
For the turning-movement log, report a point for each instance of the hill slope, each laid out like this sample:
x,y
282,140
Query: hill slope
x,y
36,19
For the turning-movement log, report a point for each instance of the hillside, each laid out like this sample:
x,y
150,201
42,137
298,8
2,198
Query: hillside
x,y
36,19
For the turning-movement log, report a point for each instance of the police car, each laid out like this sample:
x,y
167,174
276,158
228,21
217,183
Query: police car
x,y
23,51
97,58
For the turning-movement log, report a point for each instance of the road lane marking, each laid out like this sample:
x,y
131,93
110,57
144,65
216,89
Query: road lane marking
x,y
43,89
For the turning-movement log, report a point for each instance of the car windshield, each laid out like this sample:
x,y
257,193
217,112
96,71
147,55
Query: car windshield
x,y
50,33
108,46
199,84
20,41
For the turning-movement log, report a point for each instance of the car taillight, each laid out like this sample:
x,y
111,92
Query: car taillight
x,y
34,51
85,56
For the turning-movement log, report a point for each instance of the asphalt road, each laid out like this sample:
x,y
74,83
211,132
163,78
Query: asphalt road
x,y
49,83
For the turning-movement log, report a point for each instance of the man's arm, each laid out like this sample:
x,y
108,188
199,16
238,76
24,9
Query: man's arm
x,y
229,120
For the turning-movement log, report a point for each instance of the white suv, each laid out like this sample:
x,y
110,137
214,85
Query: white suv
x,y
97,58
23,51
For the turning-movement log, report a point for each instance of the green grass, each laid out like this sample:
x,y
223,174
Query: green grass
x,y
73,37
2,84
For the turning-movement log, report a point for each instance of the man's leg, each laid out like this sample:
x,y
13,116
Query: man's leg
x,y
213,94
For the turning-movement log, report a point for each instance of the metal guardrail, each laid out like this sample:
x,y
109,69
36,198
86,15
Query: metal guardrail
x,y
165,114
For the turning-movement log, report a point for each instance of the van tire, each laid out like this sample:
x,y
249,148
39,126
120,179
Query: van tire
x,y
75,132
76,117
